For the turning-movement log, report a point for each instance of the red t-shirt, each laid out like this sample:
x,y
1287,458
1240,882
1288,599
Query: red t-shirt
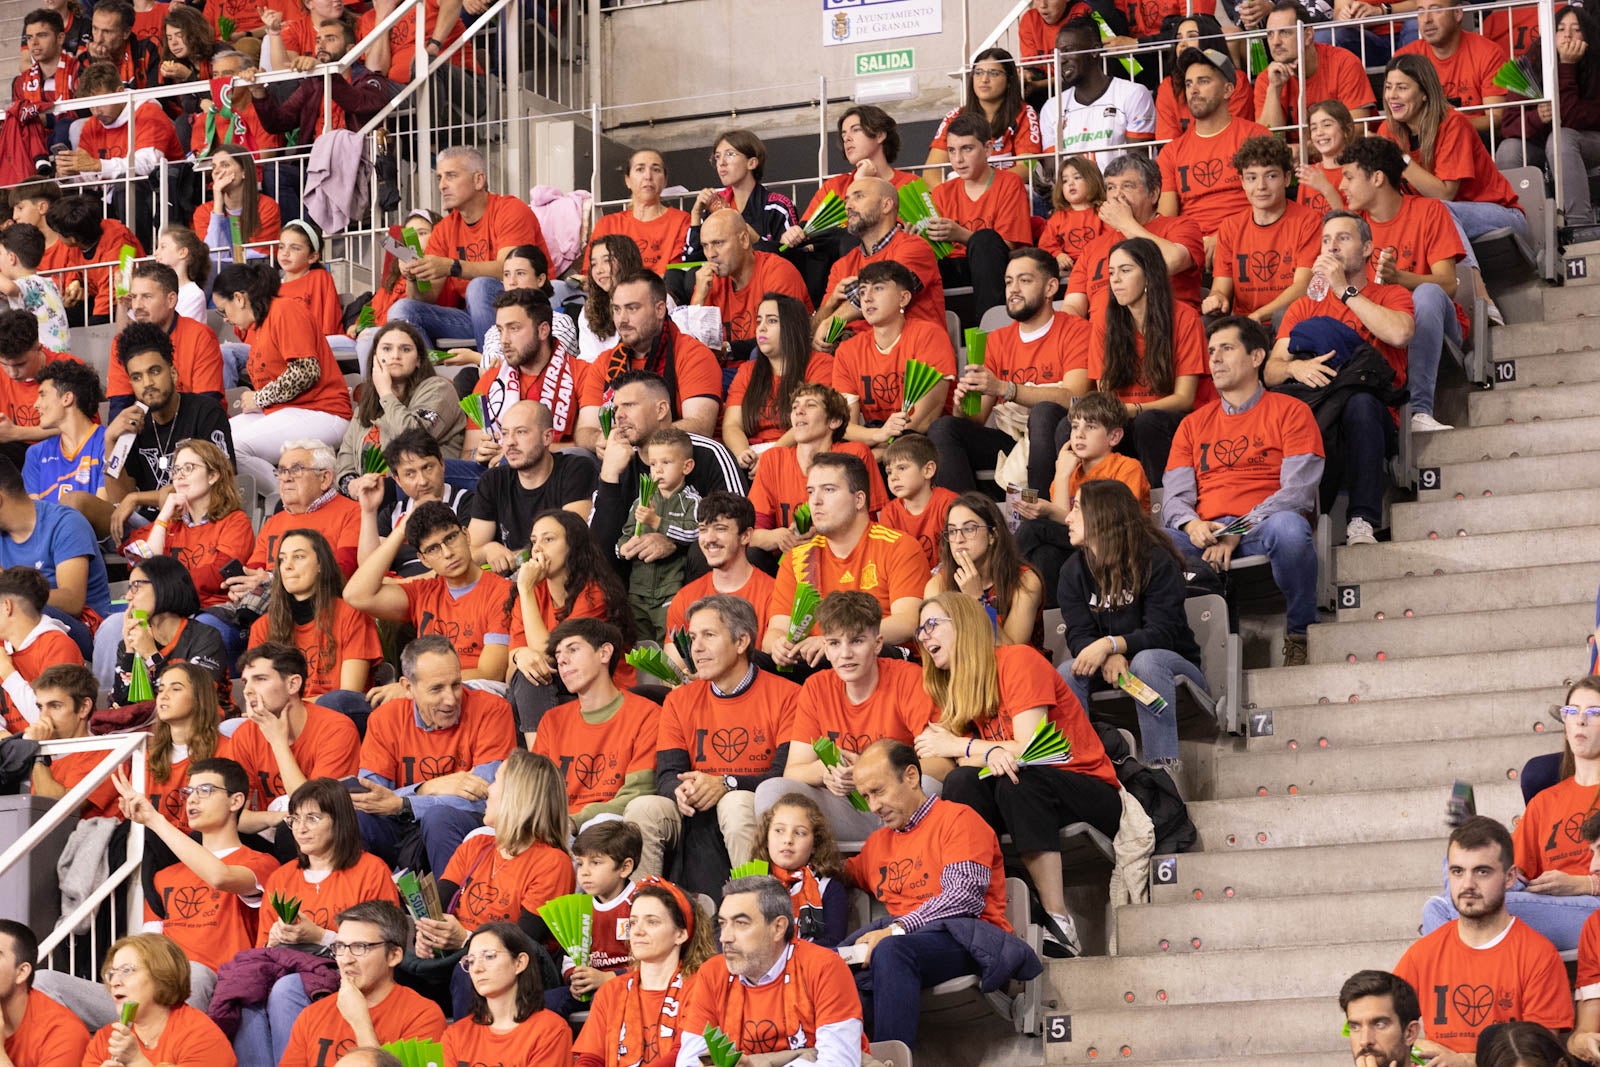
x,y
151,129
1393,297
269,228
780,485
1189,353
1467,74
1027,681
757,591
898,708
772,274
339,520
927,525
400,750
1172,108
1262,260
543,1038
1003,207
861,369
695,368
355,637
107,251
737,735
911,252
205,548
403,42
189,1039
286,334
903,868
315,289
196,356
497,889
321,1036
50,647
1089,270
74,767
1071,230
1022,137
1045,360
595,757
886,563
1547,836
49,1035
321,902
1200,170
1237,459
1339,76
472,619
840,184
1313,199
818,369
505,223
1464,990
1459,156
814,990
328,747
661,240
211,926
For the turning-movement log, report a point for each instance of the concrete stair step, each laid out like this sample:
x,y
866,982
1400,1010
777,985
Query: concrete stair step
x,y
1466,444
1548,473
1502,513
1388,722
1455,555
1397,637
1502,590
1487,407
1169,980
1263,922
1151,1034
1538,338
1550,370
1393,680
1567,304
1279,821
1281,873
1311,770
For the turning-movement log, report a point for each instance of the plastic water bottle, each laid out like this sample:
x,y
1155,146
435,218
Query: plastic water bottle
x,y
1317,288
119,451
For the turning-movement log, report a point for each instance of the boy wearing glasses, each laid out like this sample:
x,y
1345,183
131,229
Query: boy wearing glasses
x,y
370,1009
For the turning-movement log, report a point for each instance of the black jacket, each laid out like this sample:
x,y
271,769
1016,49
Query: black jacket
x,y
1155,619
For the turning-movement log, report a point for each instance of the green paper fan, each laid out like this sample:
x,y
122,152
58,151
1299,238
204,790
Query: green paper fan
x,y
750,870
437,356
917,210
286,907
1521,77
828,752
1241,526
472,405
977,341
830,215
1259,59
372,461
721,1049
571,922
139,687
919,380
608,414
688,264
1046,748
416,1052
837,328
684,644
647,493
225,27
802,614
130,1008
654,662
802,519
414,242
1132,66
367,319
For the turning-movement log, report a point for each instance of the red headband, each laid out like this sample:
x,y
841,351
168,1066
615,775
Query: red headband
x,y
677,894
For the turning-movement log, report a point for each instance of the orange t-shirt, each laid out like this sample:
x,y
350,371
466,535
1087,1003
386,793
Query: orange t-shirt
x,y
205,548
819,368
50,647
1044,360
494,888
315,289
147,25
1467,74
608,1014
287,334
595,757
1422,233
1547,837
861,369
321,1036
1459,156
403,43
589,605
903,869
927,526
48,1036
1089,270
1237,459
269,228
339,520
1394,297
1262,260
321,902
164,795
328,747
1589,957
1200,170
1002,207
1172,109
1464,990
780,485
1189,353
737,735
772,274
694,366
246,14
1114,467
543,1039
814,990
355,637
757,591
1314,200
398,749
840,184
898,708
113,236
1071,230
471,619
196,356
1511,30
151,129
1028,681
189,1039
661,240
73,768
911,252
1022,137
505,223
211,926
885,562
1339,76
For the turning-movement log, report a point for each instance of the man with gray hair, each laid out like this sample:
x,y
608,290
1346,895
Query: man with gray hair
x,y
1133,188
792,994
452,286
722,735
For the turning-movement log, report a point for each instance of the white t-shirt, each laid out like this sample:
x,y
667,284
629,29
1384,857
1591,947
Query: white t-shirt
x,y
1125,108
192,302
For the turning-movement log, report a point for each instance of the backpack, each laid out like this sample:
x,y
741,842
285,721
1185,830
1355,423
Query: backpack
x,y
1154,790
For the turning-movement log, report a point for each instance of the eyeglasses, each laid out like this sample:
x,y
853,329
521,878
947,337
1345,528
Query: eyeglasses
x,y
988,72
356,949
487,957
971,529
434,549
189,469
205,791
111,974
310,820
1588,715
730,156
928,626
296,471
136,584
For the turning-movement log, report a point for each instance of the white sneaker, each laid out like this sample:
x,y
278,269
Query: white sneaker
x,y
1492,312
1422,422
1055,947
1359,532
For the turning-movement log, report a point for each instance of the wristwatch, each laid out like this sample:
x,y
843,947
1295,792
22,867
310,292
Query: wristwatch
x,y
1350,291
730,781
895,929
455,268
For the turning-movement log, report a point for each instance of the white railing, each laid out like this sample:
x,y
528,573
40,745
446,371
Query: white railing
x,y
87,948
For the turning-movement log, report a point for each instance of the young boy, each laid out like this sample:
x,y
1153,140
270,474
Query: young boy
x,y
605,853
21,249
869,367
919,507
1098,422
671,510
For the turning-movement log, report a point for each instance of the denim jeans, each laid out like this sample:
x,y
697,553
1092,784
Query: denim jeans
x,y
1379,47
1366,430
1560,919
1160,669
1286,540
901,968
235,355
1478,217
264,1028
1435,315
435,322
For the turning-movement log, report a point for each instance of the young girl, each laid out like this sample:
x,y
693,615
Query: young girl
x,y
188,45
659,231
610,257
979,557
796,841
763,389
1079,191
235,195
634,1020
304,277
182,249
1331,130
186,729
507,1022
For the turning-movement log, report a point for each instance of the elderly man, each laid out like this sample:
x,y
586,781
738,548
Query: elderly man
x,y
872,215
705,802
1133,189
736,278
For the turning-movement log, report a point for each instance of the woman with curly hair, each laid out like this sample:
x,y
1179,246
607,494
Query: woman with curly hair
x,y
611,256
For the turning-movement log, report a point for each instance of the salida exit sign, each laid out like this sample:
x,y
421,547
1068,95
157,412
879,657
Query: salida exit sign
x,y
892,61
